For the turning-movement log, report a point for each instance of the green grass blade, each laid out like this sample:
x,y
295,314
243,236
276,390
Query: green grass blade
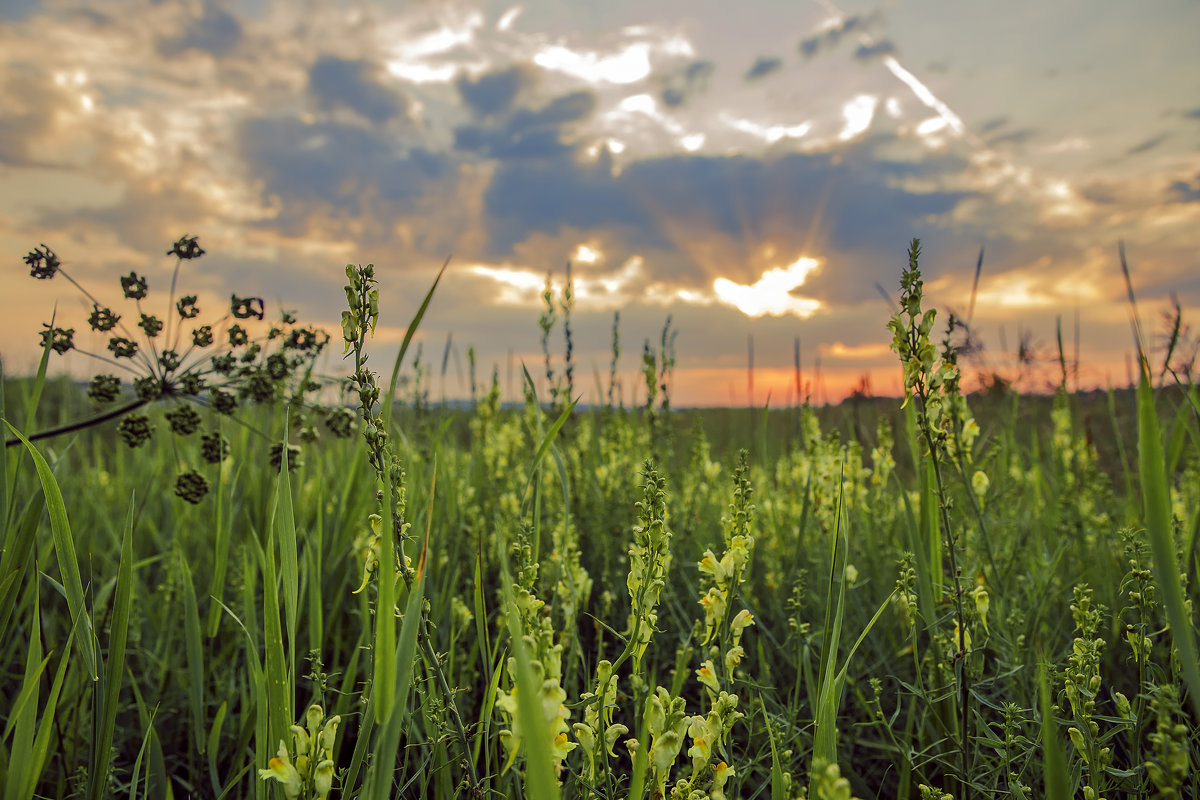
x,y
388,743
1156,501
390,397
5,494
68,565
195,656
825,714
778,789
114,665
222,529
23,714
15,561
214,745
547,441
1053,758
285,530
276,676
47,725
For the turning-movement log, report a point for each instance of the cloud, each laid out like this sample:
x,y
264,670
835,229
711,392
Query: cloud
x,y
494,92
1192,114
308,170
874,50
762,67
993,124
697,217
30,99
679,87
1017,137
214,31
828,38
1185,191
337,83
1147,145
529,133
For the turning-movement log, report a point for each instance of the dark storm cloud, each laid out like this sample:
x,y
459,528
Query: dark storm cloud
x,y
829,38
493,92
762,67
345,83
1147,145
215,32
529,133
1185,191
328,165
870,52
681,86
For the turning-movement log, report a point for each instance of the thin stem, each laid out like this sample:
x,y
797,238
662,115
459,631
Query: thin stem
x,y
81,424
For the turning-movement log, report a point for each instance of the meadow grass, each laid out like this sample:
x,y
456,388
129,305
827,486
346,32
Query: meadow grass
x,y
949,596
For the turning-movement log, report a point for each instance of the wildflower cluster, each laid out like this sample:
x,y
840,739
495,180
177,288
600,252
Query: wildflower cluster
x,y
166,356
546,660
597,733
306,772
649,558
1081,687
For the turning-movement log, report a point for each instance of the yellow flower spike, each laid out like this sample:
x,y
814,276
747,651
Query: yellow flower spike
x,y
329,735
734,657
966,638
313,718
323,779
562,746
982,602
979,484
301,738
586,737
714,610
739,623
722,772
707,676
611,734
662,755
280,768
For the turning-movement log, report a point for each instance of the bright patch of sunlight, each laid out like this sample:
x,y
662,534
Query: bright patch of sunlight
x,y
692,142
587,254
767,133
517,286
414,56
509,17
858,114
628,65
930,126
772,293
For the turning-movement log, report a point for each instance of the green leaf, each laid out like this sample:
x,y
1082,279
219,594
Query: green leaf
x,y
64,548
1156,501
114,666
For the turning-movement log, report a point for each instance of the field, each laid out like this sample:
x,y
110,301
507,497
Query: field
x,y
944,596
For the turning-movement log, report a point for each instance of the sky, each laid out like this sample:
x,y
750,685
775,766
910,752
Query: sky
x,y
752,172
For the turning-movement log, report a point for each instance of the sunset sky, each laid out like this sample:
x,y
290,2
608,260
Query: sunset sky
x,y
750,169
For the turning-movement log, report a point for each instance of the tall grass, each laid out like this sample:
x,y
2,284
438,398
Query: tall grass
x,y
846,611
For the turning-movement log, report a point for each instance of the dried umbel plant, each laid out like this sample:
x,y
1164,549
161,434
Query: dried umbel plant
x,y
177,358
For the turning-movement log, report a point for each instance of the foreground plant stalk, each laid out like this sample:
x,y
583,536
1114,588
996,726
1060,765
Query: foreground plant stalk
x,y
357,324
